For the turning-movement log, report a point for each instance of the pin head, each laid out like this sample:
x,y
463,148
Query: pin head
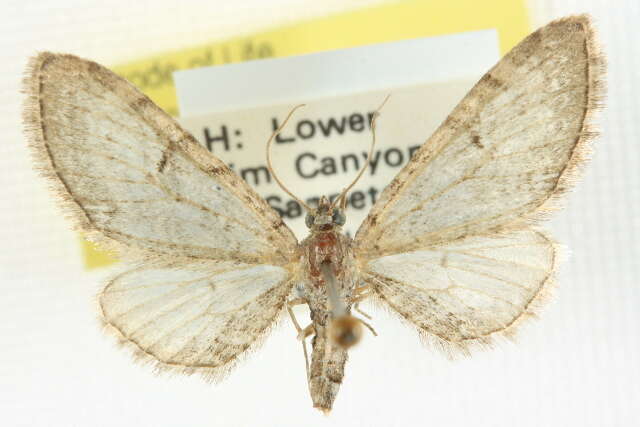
x,y
345,331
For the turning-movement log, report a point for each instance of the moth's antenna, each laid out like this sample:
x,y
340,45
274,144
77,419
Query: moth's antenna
x,y
343,195
270,166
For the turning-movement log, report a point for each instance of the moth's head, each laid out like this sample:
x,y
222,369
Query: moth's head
x,y
326,216
345,331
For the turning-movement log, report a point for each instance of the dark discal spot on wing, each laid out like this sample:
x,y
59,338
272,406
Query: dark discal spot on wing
x,y
162,163
475,139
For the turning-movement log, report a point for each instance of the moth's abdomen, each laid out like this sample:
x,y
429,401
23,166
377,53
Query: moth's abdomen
x,y
329,269
326,370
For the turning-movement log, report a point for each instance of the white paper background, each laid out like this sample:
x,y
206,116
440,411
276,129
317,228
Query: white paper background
x,y
578,366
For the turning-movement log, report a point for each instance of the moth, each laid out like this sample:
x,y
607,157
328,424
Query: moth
x,y
452,245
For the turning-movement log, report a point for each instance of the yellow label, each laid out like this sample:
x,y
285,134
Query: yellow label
x,y
396,21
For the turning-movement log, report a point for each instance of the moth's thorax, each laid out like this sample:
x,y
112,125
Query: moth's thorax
x,y
332,248
326,247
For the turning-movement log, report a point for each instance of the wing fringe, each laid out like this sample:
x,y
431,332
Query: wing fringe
x,y
596,99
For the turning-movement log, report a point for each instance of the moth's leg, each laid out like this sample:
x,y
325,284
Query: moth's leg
x,y
309,330
356,307
292,303
361,293
361,289
373,331
301,332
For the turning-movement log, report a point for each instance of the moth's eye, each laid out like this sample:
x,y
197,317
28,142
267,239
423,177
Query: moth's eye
x,y
309,220
339,217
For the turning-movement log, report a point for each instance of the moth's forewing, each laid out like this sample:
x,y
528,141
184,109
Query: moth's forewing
x,y
449,245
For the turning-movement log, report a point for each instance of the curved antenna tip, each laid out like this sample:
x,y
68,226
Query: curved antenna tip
x,y
270,166
375,116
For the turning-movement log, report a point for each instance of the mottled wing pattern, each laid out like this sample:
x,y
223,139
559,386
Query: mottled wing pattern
x,y
215,259
460,293
196,320
132,178
505,153
449,245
